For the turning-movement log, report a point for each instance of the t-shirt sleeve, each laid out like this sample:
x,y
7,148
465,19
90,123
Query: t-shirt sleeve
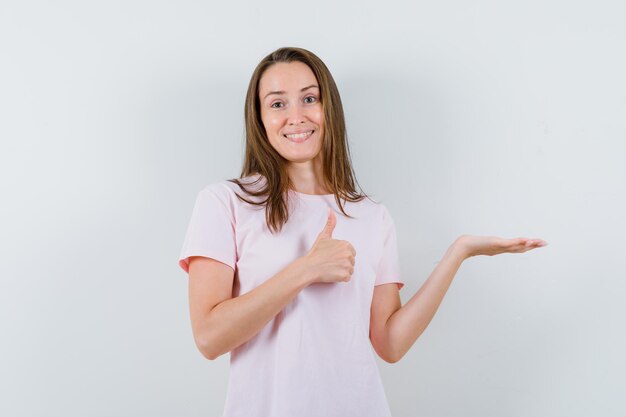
x,y
211,230
389,266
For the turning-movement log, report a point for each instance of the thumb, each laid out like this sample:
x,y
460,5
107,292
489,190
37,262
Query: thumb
x,y
327,232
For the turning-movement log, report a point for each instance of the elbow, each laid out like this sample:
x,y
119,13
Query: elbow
x,y
389,357
392,359
208,354
207,350
211,345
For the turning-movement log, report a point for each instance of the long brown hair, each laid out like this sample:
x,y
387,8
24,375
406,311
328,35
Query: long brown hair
x,y
261,158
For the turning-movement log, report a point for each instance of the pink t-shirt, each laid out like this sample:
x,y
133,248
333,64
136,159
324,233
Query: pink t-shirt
x,y
314,358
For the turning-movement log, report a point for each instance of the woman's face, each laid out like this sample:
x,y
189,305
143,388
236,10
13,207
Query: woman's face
x,y
290,104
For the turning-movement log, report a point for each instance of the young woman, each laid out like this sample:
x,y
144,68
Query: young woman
x,y
293,271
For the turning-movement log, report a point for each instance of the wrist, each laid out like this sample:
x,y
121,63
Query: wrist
x,y
460,249
302,271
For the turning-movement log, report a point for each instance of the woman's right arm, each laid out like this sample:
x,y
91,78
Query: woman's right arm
x,y
220,322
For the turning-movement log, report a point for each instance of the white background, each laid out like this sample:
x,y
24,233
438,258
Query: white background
x,y
482,117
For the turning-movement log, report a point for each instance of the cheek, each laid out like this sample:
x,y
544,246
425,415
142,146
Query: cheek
x,y
273,123
277,123
267,117
319,117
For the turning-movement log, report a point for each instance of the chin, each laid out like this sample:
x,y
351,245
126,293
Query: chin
x,y
299,158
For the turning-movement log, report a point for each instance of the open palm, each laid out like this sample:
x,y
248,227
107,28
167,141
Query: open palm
x,y
493,245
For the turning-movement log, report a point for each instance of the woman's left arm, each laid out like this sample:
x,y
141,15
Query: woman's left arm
x,y
394,328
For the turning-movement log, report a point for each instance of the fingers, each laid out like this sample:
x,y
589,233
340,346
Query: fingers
x,y
535,242
529,244
520,245
526,242
331,221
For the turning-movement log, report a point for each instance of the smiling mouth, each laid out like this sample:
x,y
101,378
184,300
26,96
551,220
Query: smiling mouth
x,y
299,136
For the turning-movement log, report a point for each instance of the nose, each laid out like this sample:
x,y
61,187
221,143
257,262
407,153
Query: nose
x,y
296,115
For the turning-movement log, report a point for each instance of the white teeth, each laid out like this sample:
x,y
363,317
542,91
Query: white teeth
x,y
299,135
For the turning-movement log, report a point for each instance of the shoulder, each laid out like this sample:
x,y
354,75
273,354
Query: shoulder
x,y
226,190
220,189
372,211
384,212
380,214
375,207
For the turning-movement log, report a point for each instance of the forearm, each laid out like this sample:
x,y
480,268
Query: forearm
x,y
236,320
407,323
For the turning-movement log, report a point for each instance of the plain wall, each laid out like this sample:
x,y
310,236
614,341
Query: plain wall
x,y
482,117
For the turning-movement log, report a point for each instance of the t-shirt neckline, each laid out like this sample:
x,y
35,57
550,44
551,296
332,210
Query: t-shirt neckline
x,y
313,196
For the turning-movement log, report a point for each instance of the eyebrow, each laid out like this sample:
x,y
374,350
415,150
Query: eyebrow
x,y
283,92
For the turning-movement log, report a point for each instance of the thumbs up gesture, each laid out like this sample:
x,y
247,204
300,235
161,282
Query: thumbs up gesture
x,y
330,260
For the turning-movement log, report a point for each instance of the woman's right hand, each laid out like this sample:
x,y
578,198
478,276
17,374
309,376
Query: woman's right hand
x,y
330,260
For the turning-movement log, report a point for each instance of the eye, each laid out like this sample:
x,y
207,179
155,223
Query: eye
x,y
277,102
313,97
